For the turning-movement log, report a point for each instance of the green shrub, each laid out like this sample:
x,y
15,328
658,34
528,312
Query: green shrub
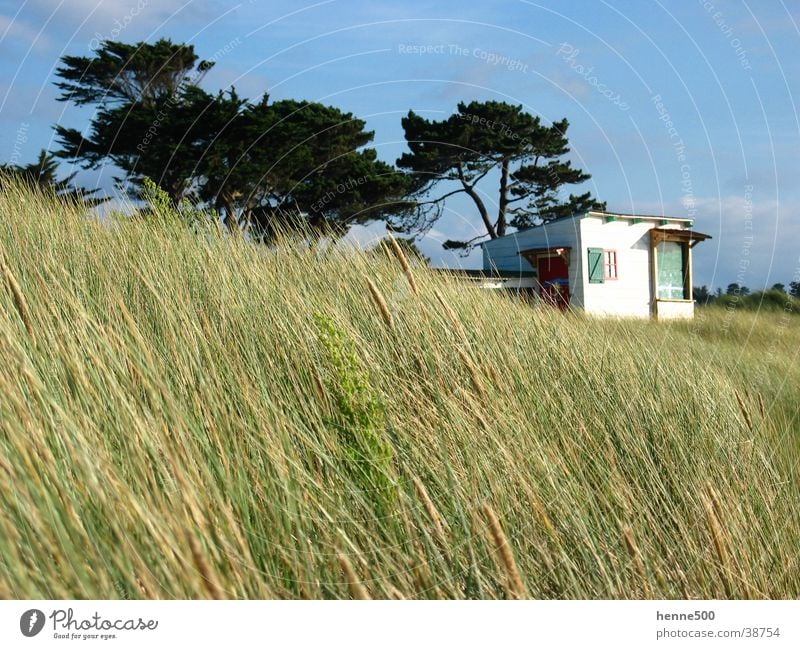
x,y
360,423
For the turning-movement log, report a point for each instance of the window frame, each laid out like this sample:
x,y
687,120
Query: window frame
x,y
607,265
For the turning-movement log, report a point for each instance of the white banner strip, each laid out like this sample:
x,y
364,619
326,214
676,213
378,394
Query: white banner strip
x,y
386,625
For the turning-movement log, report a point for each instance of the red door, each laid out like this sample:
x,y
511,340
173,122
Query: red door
x,y
554,281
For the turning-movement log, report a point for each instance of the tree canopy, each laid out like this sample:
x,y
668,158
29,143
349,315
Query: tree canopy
x,y
736,289
452,156
122,74
262,165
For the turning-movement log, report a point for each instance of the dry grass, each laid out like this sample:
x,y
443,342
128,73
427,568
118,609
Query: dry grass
x,y
295,416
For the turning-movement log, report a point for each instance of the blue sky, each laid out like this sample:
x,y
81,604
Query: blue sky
x,y
723,73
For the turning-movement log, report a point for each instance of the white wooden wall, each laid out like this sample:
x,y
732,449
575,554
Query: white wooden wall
x,y
630,294
674,310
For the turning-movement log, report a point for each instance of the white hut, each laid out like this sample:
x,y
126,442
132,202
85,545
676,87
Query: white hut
x,y
603,263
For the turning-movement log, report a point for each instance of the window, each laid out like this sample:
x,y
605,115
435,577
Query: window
x,y
672,270
610,264
596,271
602,265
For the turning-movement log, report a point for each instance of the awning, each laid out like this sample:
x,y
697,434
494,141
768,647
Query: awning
x,y
531,253
657,235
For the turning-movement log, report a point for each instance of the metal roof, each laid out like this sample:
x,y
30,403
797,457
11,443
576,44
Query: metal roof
x,y
656,217
583,215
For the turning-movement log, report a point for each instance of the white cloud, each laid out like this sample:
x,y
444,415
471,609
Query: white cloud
x,y
18,30
103,10
365,236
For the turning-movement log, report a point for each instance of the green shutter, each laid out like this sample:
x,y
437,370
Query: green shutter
x,y
596,270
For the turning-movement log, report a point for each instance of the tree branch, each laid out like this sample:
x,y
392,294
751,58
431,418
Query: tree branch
x,y
478,179
441,198
465,246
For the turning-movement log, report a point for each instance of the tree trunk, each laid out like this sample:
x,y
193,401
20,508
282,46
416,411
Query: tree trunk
x,y
230,219
503,202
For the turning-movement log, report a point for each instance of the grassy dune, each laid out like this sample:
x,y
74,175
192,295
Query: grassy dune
x,y
185,415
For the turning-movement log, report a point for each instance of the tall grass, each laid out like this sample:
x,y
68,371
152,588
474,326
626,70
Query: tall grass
x,y
186,415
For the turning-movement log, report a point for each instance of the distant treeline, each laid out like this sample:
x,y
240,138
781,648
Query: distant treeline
x,y
776,298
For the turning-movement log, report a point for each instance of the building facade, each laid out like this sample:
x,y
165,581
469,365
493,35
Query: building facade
x,y
603,263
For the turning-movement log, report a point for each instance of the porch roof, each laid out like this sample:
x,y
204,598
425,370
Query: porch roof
x,y
692,237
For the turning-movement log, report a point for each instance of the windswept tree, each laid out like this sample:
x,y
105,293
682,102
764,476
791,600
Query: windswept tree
x,y
261,165
43,173
147,103
499,141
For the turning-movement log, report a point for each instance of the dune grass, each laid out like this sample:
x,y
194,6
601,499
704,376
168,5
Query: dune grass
x,y
186,415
